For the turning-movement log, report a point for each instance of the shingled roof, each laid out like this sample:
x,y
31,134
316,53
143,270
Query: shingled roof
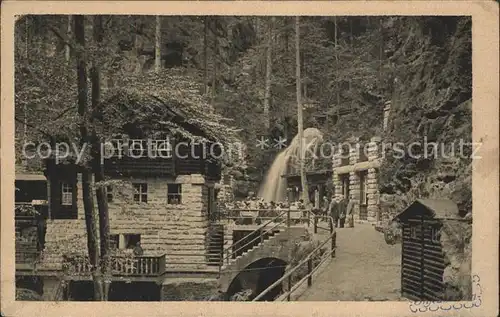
x,y
436,208
169,101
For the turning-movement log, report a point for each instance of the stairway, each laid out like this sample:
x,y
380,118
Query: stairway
x,y
215,244
250,248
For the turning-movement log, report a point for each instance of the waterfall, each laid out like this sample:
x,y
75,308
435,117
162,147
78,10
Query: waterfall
x,y
274,186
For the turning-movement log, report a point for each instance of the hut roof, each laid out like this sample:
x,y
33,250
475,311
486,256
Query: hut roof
x,y
436,208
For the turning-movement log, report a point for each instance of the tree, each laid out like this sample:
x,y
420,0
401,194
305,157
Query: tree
x,y
98,170
305,189
269,60
88,201
158,44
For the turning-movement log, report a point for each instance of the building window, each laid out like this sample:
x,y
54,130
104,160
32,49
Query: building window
x,y
67,194
174,194
141,192
137,148
161,148
130,241
113,241
345,185
109,193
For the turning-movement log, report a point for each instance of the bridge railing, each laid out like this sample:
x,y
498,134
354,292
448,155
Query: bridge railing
x,y
259,233
308,260
255,214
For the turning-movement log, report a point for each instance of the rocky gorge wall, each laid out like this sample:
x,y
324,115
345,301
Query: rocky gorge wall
x,y
432,103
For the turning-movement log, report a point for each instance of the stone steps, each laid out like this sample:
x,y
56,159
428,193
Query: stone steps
x,y
233,262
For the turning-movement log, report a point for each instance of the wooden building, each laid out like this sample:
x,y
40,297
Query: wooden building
x,y
423,253
162,176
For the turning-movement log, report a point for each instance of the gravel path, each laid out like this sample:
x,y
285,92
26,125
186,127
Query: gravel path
x,y
365,268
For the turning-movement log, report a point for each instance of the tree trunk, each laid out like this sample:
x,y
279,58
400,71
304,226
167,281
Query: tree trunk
x,y
67,51
305,190
381,50
337,62
352,48
158,44
267,94
25,107
88,202
205,55
101,197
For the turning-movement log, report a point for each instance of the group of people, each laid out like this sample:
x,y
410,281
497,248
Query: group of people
x,y
254,207
340,209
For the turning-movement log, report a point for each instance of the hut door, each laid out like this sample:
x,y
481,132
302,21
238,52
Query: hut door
x,y
433,262
411,261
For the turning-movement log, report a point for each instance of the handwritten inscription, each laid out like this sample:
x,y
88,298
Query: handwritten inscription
x,y
423,306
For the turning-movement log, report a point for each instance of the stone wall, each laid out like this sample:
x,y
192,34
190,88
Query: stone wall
x,y
164,228
189,289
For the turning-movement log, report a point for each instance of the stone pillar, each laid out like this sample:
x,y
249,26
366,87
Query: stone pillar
x,y
372,193
354,189
337,185
373,149
354,150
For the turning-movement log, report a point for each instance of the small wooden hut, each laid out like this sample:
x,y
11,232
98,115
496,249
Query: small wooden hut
x,y
423,260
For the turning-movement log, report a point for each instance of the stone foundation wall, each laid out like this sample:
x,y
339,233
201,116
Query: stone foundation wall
x,y
163,228
189,289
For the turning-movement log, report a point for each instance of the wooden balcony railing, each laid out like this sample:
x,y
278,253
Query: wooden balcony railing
x,y
120,265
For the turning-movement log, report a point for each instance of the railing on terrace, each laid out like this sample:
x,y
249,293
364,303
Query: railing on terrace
x,y
308,260
258,215
120,265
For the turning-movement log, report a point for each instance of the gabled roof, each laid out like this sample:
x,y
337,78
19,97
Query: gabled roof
x,y
169,101
436,208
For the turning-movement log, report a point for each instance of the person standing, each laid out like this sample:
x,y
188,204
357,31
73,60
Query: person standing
x,y
342,211
325,207
350,213
138,251
333,211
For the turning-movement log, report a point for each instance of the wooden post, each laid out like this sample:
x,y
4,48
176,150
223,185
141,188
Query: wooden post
x,y
315,224
334,244
289,287
288,218
309,271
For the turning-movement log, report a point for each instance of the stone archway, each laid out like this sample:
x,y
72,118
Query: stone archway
x,y
256,277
